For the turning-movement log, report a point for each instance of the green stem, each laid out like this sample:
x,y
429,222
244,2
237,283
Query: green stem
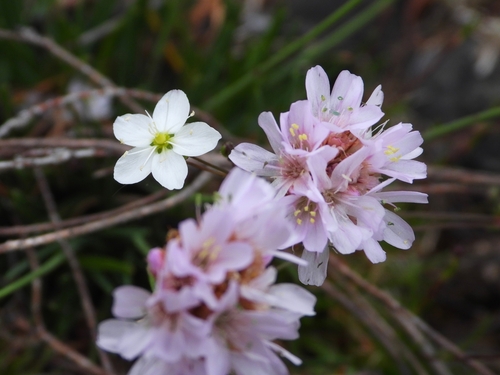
x,y
450,127
45,268
281,55
349,28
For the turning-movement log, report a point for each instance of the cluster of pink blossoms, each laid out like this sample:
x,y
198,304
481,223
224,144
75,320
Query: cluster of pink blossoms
x,y
329,167
215,308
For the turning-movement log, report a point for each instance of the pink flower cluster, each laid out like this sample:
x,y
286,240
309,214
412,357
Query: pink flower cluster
x,y
329,167
215,308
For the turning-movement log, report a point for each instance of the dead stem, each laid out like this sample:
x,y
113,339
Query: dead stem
x,y
413,325
29,35
81,284
100,224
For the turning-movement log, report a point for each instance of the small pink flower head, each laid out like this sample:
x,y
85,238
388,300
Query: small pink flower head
x,y
299,135
395,148
259,218
342,108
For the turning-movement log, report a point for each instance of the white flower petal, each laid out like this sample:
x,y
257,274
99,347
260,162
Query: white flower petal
x,y
374,251
268,124
318,89
134,165
294,298
398,232
284,353
315,271
129,302
118,336
171,112
110,332
133,130
406,170
347,91
169,169
148,366
194,139
377,97
253,158
402,196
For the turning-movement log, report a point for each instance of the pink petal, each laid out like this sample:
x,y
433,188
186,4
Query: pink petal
x,y
268,124
129,302
318,89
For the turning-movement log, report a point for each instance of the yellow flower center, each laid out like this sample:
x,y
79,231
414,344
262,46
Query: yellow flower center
x,y
162,142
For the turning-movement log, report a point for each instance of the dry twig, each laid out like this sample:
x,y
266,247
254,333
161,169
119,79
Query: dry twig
x,y
413,325
81,284
29,35
36,309
100,224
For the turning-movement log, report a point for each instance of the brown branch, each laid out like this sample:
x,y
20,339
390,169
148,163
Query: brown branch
x,y
114,147
29,35
26,115
36,310
374,324
55,156
409,321
463,175
41,227
81,361
97,225
378,321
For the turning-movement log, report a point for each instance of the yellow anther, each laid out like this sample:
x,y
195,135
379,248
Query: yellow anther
x,y
391,150
208,243
311,220
323,98
203,254
306,208
312,213
296,213
292,132
395,159
299,221
295,126
303,137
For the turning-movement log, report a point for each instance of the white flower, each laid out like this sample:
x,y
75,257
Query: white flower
x,y
161,141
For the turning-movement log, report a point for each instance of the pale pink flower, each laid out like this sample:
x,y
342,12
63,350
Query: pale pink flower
x,y
298,136
215,308
342,108
258,218
241,340
394,150
170,337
